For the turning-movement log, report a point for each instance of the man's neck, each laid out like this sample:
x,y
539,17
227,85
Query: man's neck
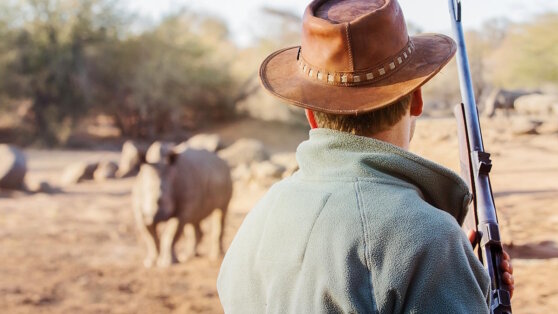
x,y
398,135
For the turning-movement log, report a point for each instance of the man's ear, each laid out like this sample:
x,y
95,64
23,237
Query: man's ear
x,y
416,103
172,157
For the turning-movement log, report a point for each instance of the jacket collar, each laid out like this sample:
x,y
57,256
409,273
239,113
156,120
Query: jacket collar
x,y
330,153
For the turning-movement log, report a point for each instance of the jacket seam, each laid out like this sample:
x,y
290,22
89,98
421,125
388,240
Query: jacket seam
x,y
360,206
312,228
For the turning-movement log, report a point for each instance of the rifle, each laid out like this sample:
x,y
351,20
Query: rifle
x,y
475,168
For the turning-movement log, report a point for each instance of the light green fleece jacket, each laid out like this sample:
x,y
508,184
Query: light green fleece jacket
x,y
362,227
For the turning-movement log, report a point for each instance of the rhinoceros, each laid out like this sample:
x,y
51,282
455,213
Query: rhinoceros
x,y
178,188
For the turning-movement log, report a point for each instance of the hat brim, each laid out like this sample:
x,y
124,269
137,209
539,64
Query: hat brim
x,y
281,76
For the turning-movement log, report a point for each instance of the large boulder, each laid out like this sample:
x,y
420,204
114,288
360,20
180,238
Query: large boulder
x,y
209,142
537,104
244,151
78,172
13,167
130,159
105,170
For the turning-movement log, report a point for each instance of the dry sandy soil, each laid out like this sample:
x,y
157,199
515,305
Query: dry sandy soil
x,y
77,251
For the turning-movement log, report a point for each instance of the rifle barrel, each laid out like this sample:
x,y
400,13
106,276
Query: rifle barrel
x,y
490,248
465,79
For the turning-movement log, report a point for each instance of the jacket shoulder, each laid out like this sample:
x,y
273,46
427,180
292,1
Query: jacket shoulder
x,y
432,268
399,207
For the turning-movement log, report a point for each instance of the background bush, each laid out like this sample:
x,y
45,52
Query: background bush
x,y
63,62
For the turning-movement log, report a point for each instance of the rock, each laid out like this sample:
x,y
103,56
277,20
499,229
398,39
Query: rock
x,y
536,104
210,142
39,187
524,127
78,172
287,160
241,172
105,170
266,170
245,151
549,127
13,167
130,159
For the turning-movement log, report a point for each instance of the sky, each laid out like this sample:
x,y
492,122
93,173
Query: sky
x,y
244,16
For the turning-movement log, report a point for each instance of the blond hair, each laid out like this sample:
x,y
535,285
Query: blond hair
x,y
366,124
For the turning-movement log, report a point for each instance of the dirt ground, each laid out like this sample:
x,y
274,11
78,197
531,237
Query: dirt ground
x,y
78,251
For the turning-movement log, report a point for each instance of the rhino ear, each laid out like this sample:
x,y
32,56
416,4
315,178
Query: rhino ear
x,y
172,157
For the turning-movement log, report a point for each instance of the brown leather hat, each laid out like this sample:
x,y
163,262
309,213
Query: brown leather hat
x,y
356,56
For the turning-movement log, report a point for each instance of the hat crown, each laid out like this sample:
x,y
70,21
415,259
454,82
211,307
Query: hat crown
x,y
353,35
356,56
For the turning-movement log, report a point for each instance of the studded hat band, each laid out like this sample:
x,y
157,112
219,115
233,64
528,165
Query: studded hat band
x,y
364,77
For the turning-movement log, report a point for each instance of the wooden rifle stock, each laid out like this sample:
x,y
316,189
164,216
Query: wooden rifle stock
x,y
470,222
475,169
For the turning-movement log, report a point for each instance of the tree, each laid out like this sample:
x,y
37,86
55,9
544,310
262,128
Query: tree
x,y
528,55
443,90
49,65
165,78
74,58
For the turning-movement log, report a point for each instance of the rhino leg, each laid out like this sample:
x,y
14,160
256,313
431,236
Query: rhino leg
x,y
173,230
199,235
218,229
149,235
